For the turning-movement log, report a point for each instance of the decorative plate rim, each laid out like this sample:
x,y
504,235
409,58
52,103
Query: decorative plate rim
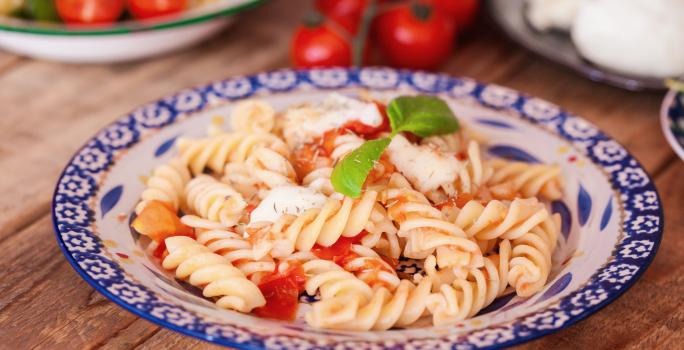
x,y
442,83
666,120
125,27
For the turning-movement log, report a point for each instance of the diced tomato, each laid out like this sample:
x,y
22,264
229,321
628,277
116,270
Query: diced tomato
x,y
340,251
160,251
461,156
459,201
281,291
327,142
309,157
249,209
391,261
382,169
158,220
369,132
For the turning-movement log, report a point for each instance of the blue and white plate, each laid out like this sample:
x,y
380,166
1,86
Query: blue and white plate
x,y
672,121
612,216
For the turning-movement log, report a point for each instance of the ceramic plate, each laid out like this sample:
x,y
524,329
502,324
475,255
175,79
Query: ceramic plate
x,y
612,219
672,121
558,47
122,41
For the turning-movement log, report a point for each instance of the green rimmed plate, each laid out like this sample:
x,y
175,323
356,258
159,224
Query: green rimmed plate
x,y
124,41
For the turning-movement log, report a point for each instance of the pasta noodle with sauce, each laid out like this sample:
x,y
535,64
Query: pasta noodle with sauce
x,y
212,273
324,226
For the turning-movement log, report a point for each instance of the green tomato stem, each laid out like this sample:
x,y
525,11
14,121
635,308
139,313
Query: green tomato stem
x,y
359,42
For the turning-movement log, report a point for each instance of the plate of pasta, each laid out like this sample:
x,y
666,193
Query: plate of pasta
x,y
356,208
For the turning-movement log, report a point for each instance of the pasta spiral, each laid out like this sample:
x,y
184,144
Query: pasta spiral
x,y
166,184
270,168
325,225
465,297
211,272
350,304
526,180
369,267
381,233
231,246
426,228
215,201
500,220
252,116
531,257
217,151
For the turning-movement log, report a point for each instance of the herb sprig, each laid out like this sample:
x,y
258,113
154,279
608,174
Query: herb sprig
x,y
421,115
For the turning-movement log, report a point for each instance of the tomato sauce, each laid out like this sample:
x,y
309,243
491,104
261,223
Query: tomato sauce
x,y
339,251
459,201
281,291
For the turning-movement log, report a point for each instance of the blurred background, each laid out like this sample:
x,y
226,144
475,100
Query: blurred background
x,y
69,67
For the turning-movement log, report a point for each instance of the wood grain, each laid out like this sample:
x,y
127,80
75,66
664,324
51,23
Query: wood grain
x,y
48,110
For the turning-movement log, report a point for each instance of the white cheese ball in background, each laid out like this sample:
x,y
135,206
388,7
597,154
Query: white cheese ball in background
x,y
639,37
545,15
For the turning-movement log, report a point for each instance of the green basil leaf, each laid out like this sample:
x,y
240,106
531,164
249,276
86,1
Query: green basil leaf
x,y
421,115
351,172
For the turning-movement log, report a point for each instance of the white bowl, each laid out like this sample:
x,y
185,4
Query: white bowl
x,y
124,41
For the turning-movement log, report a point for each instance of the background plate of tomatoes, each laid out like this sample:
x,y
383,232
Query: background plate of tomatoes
x,y
100,31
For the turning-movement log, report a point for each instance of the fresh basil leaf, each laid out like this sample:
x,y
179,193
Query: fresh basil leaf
x,y
351,172
421,115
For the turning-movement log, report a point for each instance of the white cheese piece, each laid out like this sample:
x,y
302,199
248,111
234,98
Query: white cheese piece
x,y
306,122
293,200
425,167
544,15
640,37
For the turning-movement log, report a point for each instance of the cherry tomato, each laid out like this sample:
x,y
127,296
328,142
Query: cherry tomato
x,y
462,11
89,11
316,44
346,13
415,35
142,9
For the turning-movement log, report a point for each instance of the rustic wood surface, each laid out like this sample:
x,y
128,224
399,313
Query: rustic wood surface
x,y
47,110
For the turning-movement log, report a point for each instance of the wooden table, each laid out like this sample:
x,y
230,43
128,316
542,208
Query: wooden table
x,y
47,110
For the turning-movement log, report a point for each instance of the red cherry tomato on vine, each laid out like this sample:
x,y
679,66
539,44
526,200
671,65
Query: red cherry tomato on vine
x,y
347,13
316,44
89,11
142,9
463,11
416,36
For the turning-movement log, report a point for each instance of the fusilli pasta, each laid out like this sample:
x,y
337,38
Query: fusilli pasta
x,y
526,180
214,200
212,273
166,184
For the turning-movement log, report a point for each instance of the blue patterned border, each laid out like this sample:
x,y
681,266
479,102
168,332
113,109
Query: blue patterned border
x,y
73,217
672,120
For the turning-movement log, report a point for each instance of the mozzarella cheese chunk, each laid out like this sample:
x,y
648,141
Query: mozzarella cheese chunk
x,y
292,200
640,37
545,15
425,167
336,110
